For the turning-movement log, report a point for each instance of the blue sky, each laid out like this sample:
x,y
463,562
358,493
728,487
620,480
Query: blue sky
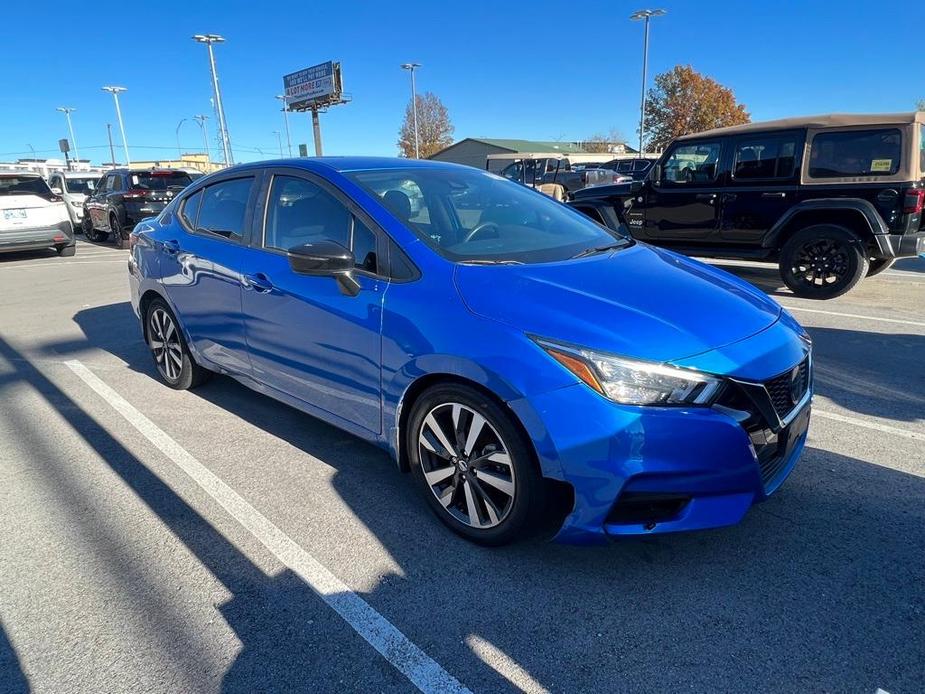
x,y
533,70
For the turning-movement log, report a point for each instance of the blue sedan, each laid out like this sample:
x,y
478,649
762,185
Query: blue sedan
x,y
526,365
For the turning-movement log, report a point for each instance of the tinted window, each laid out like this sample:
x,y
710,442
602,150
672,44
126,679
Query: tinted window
x,y
160,180
764,158
473,215
302,212
855,153
223,207
190,211
24,185
364,247
79,185
693,163
115,183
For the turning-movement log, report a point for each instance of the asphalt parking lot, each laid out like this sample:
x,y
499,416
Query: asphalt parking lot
x,y
155,540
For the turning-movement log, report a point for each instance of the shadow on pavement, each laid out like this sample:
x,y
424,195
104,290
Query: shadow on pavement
x,y
12,679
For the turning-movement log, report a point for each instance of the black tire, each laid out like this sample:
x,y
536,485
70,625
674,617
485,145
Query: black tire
x,y
181,372
66,251
501,517
115,230
823,261
878,265
86,224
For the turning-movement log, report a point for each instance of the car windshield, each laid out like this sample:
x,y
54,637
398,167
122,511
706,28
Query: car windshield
x,y
24,185
80,185
160,180
468,215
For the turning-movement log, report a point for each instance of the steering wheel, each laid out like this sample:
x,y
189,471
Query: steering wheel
x,y
478,229
688,174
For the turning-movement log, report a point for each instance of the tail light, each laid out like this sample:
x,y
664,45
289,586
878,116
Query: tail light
x,y
914,201
134,194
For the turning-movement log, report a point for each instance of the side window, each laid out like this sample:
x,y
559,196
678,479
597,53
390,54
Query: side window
x,y
223,206
855,153
107,184
300,212
364,247
115,183
189,212
513,171
761,158
692,163
55,182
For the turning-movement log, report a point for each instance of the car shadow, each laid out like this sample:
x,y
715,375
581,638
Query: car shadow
x,y
12,678
820,587
910,264
764,277
18,256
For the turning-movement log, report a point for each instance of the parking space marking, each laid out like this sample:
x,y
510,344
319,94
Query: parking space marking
x,y
59,263
900,321
885,428
499,661
424,672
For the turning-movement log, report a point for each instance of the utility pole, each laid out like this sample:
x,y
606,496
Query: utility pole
x,y
411,67
179,151
210,39
285,111
115,91
201,119
67,110
279,140
636,16
112,151
316,129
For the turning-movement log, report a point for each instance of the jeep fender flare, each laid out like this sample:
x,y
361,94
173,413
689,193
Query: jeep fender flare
x,y
873,221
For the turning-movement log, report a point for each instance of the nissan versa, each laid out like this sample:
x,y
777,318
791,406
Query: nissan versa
x,y
504,348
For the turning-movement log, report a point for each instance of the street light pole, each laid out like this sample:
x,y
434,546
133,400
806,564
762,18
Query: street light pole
x,y
279,140
112,151
210,39
115,91
636,16
179,150
201,119
285,111
66,110
411,67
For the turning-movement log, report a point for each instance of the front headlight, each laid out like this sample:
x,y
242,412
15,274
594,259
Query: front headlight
x,y
632,381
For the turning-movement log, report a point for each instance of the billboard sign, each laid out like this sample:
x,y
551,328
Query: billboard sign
x,y
319,85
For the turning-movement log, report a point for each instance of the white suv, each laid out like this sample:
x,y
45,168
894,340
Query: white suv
x,y
31,216
74,187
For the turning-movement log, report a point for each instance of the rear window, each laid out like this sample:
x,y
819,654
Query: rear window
x,y
80,185
855,153
25,185
160,181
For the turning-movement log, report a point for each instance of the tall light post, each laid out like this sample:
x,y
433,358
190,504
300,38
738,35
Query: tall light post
x,y
411,67
179,150
112,151
66,110
285,111
115,91
636,16
210,39
279,141
201,119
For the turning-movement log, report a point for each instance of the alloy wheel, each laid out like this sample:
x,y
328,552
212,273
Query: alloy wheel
x,y
821,263
467,465
164,340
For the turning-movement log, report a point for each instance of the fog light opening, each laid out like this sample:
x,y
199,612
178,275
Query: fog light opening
x,y
635,508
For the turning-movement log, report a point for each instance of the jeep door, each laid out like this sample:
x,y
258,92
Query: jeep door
x,y
682,203
763,184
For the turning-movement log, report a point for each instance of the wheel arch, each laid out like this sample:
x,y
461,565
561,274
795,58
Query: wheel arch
x,y
857,215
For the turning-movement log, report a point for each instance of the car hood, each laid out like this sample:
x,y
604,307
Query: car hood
x,y
640,301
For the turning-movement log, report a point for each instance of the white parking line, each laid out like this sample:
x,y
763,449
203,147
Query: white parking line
x,y
900,321
494,657
406,657
885,428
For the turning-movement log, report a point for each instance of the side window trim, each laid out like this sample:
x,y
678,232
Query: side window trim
x,y
244,240
798,137
722,164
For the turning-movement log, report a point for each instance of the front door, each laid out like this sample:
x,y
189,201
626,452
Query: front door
x,y
683,203
306,337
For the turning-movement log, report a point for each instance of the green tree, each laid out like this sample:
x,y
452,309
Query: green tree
x,y
435,131
683,101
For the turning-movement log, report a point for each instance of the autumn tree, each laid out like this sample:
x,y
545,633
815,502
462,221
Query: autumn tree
x,y
683,101
600,143
434,128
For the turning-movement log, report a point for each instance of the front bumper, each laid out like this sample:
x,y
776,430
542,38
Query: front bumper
x,y
646,470
61,234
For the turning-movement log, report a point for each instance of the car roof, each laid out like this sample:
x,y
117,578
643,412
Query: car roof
x,y
20,174
833,120
352,163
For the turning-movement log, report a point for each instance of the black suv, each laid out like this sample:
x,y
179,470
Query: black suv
x,y
830,198
123,197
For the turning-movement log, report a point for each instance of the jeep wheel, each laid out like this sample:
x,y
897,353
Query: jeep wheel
x,y
823,261
878,265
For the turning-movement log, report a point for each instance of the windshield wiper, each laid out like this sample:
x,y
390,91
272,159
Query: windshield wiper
x,y
599,249
489,261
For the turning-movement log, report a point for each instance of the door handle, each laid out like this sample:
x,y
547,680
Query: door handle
x,y
172,247
778,196
258,282
706,197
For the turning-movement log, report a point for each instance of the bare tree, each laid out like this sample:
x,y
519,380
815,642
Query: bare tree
x,y
435,131
599,143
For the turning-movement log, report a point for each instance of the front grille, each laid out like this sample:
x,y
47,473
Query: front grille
x,y
788,389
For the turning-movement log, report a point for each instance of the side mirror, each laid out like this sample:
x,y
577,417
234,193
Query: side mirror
x,y
635,186
56,190
325,259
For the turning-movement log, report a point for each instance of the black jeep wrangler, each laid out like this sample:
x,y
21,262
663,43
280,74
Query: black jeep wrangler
x,y
831,198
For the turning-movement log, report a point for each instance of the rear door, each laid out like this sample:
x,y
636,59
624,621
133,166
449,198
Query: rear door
x,y
683,204
97,202
763,184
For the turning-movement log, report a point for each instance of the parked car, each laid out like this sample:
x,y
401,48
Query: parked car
x,y
32,216
635,169
123,197
509,357
557,176
832,199
73,187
